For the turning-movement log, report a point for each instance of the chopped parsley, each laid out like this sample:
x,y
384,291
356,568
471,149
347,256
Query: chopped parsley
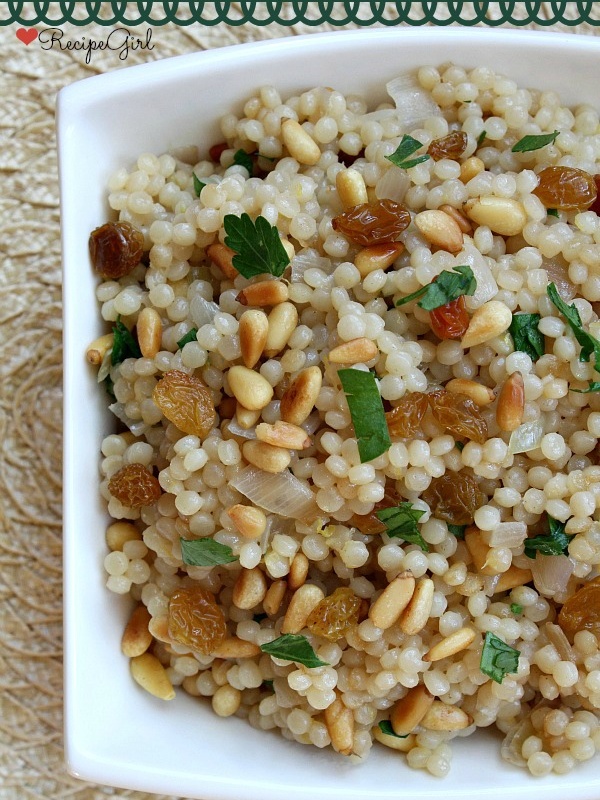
x,y
457,530
189,337
205,553
198,185
481,138
110,387
526,335
124,344
244,159
589,344
552,212
556,543
460,446
366,410
498,658
401,156
257,246
293,647
529,143
516,608
385,726
401,521
447,286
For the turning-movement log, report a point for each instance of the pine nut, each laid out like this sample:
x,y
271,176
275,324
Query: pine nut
x,y
299,144
150,674
283,321
416,614
236,648
136,636
403,744
149,332
513,577
340,724
159,628
120,532
226,701
301,395
266,456
511,403
274,597
98,349
479,551
386,610
283,434
471,167
249,388
501,214
289,248
351,188
410,710
222,256
449,645
264,293
460,219
440,230
298,571
249,589
443,717
249,521
488,321
356,351
481,395
377,256
246,419
254,326
302,603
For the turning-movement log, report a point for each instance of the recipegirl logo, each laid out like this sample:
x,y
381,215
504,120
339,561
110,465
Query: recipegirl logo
x,y
121,40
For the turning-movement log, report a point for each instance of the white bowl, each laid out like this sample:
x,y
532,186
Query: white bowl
x,y
116,733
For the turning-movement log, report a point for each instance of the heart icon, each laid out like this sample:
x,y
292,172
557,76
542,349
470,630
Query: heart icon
x,y
27,35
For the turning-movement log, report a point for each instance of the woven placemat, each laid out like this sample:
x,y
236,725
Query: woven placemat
x,y
31,754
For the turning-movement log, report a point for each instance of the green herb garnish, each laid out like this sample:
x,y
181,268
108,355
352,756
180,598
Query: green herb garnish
x,y
556,543
110,387
401,156
385,726
189,337
257,246
198,185
366,410
205,553
481,138
529,143
593,386
552,212
526,336
124,344
589,344
516,608
244,159
447,286
401,521
460,446
498,658
294,647
457,530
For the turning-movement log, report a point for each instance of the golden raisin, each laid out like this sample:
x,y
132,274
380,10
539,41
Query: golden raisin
x,y
372,223
405,419
451,320
186,402
370,524
581,612
116,249
134,486
195,620
454,497
333,617
566,188
451,146
459,415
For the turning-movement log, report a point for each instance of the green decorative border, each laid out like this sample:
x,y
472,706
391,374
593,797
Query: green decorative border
x,y
311,14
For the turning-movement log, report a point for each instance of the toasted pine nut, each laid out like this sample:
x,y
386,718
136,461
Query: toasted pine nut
x,y
254,326
98,349
249,388
136,636
377,256
264,293
302,603
226,700
246,419
236,648
501,214
300,145
298,571
511,403
159,628
481,395
340,723
149,332
289,248
283,434
488,321
248,520
410,710
120,532
222,256
356,351
274,597
403,744
444,717
392,601
351,188
301,395
478,550
416,614
513,577
266,456
152,676
283,321
460,219
440,230
449,645
249,589
470,168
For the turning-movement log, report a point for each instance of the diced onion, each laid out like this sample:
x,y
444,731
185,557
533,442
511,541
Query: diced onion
x,y
236,429
487,287
507,534
282,493
392,185
309,258
558,638
526,437
551,574
413,103
202,311
136,426
558,273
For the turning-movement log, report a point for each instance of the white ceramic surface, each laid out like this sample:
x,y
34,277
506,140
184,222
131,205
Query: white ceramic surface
x,y
116,733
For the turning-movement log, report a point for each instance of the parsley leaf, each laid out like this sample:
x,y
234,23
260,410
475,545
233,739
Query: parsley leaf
x,y
457,530
529,143
205,553
516,608
366,410
447,286
189,337
110,387
385,726
124,344
498,658
556,543
257,246
198,185
481,138
244,159
401,521
552,212
526,336
460,446
589,344
401,156
294,647
594,386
